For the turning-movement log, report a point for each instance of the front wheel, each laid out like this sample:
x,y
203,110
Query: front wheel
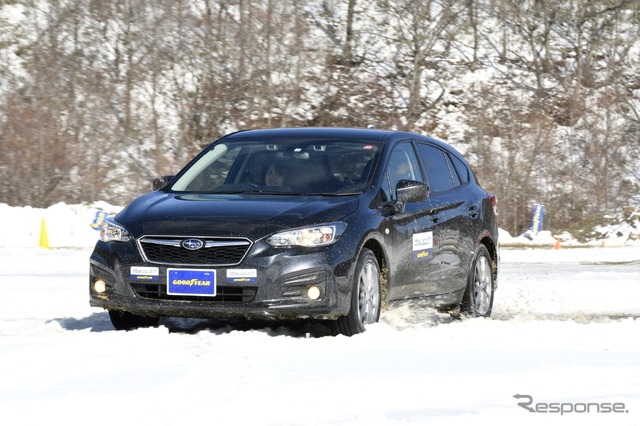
x,y
366,295
478,297
123,320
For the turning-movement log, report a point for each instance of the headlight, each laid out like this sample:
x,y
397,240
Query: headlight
x,y
316,236
110,231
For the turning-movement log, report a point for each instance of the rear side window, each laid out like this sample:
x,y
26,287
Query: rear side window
x,y
461,169
438,168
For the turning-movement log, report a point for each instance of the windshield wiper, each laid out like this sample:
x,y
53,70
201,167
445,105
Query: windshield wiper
x,y
264,192
272,192
333,194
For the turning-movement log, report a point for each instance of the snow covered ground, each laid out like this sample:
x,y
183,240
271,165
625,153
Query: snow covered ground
x,y
563,337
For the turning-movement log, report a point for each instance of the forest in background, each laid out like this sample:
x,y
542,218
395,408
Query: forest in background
x,y
541,96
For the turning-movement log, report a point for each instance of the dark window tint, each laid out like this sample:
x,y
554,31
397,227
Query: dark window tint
x,y
462,169
454,175
403,164
211,173
295,166
437,166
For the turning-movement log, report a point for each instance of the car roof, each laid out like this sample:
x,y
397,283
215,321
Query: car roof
x,y
321,132
371,134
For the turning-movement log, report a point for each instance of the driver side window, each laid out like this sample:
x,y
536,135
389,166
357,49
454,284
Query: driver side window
x,y
403,164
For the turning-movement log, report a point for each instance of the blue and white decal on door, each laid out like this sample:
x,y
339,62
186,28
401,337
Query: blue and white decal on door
x,y
422,246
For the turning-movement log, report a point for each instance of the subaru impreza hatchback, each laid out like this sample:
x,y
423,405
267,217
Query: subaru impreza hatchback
x,y
313,223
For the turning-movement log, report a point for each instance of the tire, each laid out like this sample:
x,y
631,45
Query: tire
x,y
478,297
123,320
366,297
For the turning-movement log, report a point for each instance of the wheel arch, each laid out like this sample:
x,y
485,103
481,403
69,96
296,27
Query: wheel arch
x,y
492,248
378,251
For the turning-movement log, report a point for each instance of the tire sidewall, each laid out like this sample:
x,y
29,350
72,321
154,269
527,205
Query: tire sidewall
x,y
365,256
123,320
351,323
468,301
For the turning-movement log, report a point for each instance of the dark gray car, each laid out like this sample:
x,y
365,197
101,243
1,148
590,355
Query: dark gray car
x,y
302,223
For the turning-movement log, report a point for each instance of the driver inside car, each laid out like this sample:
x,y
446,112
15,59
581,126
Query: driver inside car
x,y
275,175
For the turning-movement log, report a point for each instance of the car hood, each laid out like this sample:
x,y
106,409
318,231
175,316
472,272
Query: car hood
x,y
229,215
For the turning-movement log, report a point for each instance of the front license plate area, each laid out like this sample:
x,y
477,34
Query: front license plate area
x,y
191,282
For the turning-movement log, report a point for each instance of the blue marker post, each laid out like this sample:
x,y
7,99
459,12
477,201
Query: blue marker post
x,y
536,220
98,219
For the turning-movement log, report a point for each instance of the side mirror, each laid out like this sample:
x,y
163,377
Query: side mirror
x,y
408,191
161,181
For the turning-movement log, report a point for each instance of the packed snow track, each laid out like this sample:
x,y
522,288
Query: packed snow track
x,y
564,330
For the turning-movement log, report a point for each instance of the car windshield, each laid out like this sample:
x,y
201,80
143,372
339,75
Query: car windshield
x,y
289,166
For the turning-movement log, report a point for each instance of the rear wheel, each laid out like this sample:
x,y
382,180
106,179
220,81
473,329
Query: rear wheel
x,y
123,320
478,297
366,296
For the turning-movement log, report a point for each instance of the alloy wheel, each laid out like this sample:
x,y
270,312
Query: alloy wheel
x,y
368,293
483,286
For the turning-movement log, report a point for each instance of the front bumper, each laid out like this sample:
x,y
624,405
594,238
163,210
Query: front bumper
x,y
278,287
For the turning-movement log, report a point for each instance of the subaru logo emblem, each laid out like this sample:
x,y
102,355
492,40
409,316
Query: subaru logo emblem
x,y
192,244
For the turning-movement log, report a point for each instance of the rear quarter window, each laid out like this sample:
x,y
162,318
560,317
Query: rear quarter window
x,y
461,169
438,168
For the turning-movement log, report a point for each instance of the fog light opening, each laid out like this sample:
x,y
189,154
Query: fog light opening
x,y
100,286
313,292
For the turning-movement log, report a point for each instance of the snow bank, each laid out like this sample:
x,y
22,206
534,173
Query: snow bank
x,y
71,226
612,236
63,225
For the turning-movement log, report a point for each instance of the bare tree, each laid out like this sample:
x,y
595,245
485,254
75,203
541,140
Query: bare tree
x,y
419,35
98,97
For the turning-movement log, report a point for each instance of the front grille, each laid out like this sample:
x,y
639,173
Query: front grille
x,y
215,251
223,293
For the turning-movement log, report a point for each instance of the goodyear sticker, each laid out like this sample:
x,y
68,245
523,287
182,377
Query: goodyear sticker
x,y
145,273
242,276
191,282
422,246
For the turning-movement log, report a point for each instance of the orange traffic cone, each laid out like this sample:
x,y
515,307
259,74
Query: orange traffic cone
x,y
558,245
